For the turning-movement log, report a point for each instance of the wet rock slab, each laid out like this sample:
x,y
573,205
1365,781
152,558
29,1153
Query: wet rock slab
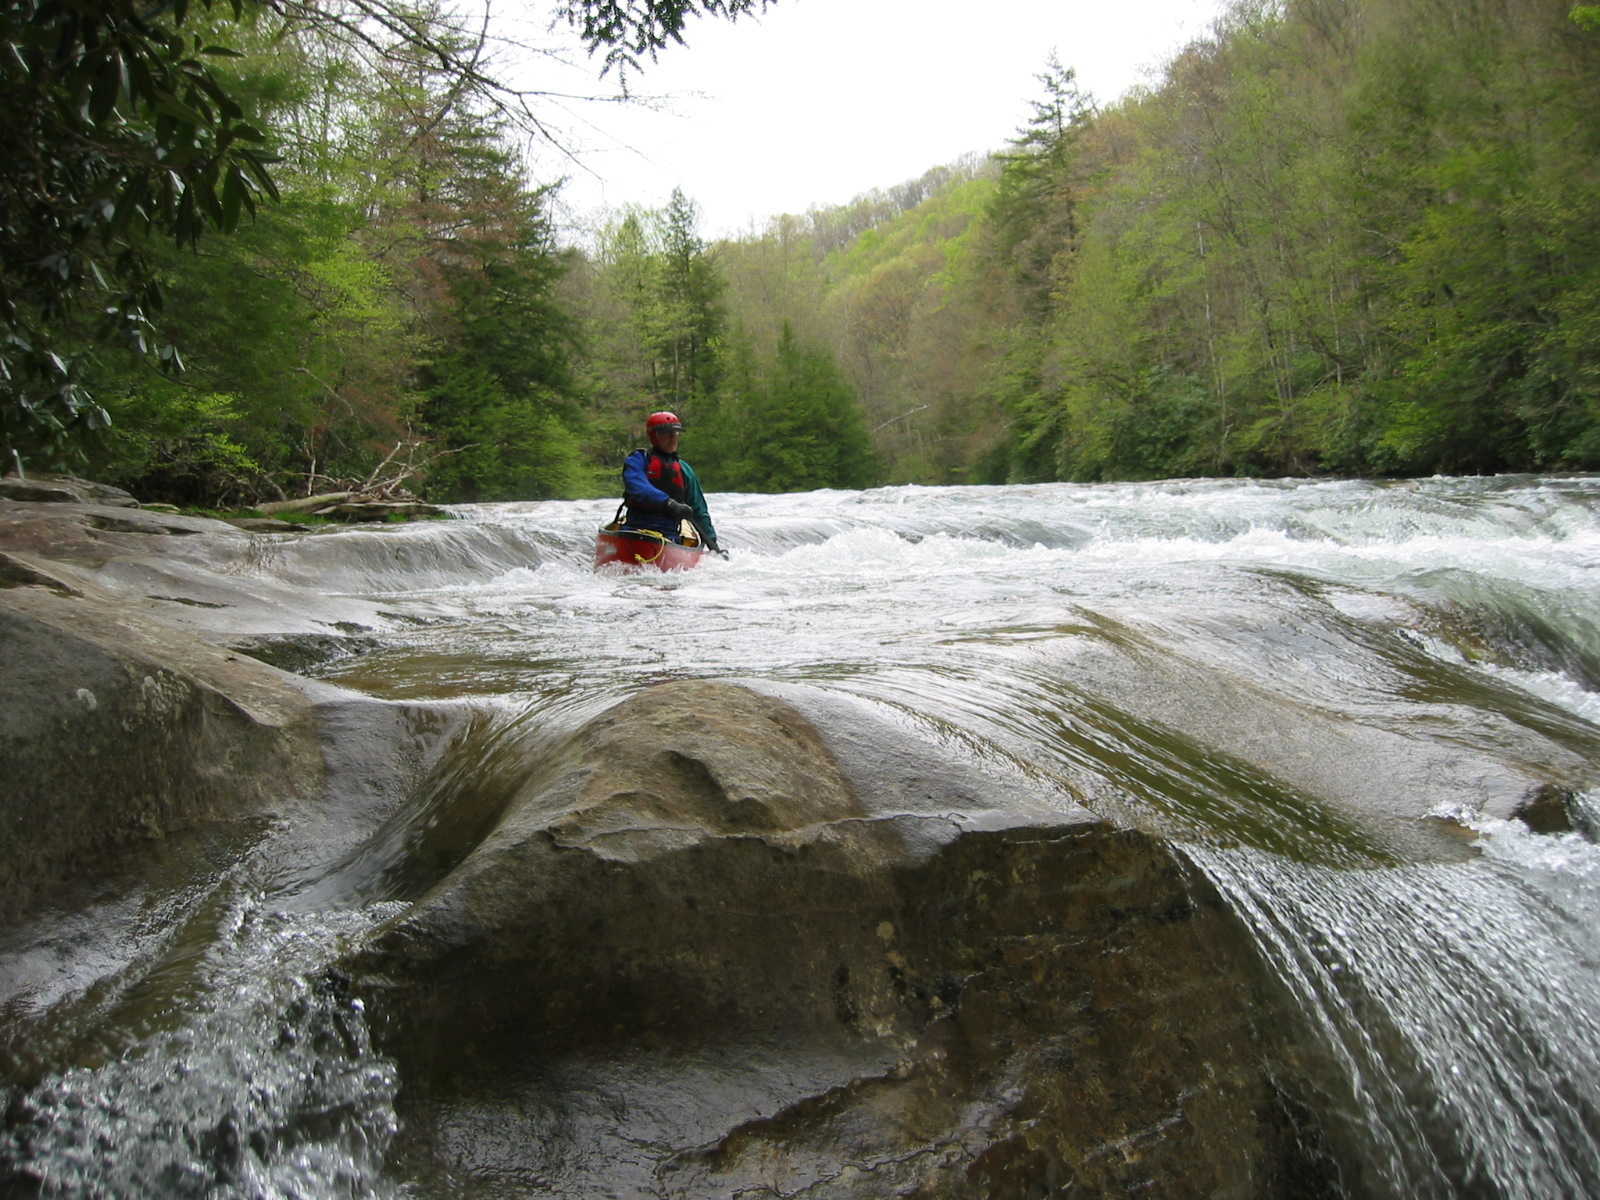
x,y
116,731
189,573
143,756
716,946
127,714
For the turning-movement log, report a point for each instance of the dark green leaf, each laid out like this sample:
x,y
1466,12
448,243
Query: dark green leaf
x,y
168,105
130,204
233,190
108,84
211,202
257,166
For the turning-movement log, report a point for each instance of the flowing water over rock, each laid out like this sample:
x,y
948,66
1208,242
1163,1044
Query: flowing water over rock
x,y
1175,838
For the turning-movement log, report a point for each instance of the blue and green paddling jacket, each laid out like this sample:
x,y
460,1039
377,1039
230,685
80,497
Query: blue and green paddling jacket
x,y
651,478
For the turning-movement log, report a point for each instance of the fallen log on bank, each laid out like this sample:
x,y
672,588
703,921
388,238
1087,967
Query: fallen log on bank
x,y
303,503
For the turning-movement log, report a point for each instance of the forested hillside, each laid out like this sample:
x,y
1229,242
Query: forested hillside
x,y
1345,236
1352,237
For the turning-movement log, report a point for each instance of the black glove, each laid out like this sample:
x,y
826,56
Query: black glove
x,y
679,510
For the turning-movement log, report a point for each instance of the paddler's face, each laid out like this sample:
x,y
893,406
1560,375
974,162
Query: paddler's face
x,y
667,440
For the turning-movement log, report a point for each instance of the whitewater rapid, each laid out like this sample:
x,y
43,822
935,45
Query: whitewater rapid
x,y
1334,696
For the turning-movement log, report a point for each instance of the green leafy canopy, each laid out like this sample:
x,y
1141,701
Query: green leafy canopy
x,y
117,127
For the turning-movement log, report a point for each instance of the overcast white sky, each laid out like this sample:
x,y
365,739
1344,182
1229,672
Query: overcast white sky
x,y
818,101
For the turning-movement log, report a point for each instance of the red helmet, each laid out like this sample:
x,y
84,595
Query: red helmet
x,y
662,422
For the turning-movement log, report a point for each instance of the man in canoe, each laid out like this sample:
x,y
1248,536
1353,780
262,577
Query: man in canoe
x,y
660,489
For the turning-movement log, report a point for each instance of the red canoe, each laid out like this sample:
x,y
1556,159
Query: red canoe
x,y
640,548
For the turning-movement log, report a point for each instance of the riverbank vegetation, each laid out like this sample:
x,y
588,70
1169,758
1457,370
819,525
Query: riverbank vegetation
x,y
1339,236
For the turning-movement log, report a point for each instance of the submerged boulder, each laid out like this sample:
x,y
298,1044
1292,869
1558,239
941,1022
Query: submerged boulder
x,y
1556,810
711,945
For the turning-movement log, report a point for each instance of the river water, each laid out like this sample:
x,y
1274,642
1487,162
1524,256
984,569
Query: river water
x,y
1332,695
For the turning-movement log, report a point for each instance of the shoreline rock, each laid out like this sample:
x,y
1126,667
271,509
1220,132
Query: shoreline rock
x,y
144,694
67,489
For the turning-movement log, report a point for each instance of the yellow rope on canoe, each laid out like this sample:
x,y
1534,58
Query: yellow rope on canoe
x,y
660,550
617,527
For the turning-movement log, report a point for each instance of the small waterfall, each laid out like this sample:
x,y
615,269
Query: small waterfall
x,y
266,1087
1447,1017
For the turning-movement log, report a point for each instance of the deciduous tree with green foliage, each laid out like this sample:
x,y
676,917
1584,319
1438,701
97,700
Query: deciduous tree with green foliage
x,y
654,321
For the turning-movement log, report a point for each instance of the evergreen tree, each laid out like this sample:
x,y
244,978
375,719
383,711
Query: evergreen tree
x,y
685,309
809,432
1033,230
1034,213
500,400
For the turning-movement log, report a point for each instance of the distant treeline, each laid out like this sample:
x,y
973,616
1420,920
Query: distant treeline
x,y
1351,236
1339,236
